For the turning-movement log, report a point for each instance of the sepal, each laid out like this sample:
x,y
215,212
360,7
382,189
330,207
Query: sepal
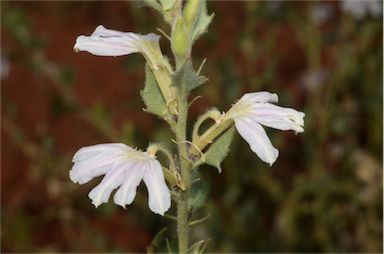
x,y
202,22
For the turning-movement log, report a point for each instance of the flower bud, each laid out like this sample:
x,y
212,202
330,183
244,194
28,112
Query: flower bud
x,y
192,12
180,41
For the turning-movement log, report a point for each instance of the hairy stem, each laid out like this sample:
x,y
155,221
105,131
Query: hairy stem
x,y
182,204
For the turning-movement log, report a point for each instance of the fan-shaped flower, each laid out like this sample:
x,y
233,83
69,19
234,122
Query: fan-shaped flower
x,y
124,168
106,42
254,110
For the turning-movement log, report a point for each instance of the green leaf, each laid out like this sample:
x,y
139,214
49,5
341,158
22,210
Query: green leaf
x,y
198,191
152,96
202,23
219,149
188,76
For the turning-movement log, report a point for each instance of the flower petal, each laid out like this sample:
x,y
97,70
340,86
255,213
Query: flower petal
x,y
89,152
106,42
127,192
283,124
82,172
104,32
260,97
93,161
101,31
113,179
159,200
258,140
109,46
277,117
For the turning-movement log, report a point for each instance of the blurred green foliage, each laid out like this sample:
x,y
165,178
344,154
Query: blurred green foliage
x,y
324,194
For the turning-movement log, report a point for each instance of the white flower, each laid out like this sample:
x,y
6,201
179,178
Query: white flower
x,y
254,110
106,42
124,168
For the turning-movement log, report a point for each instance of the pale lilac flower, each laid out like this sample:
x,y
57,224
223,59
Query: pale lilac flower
x,y
106,42
254,110
124,168
359,9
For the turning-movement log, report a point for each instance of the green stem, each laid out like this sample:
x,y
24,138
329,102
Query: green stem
x,y
182,203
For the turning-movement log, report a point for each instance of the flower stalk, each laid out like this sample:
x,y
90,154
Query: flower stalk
x,y
213,114
210,135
